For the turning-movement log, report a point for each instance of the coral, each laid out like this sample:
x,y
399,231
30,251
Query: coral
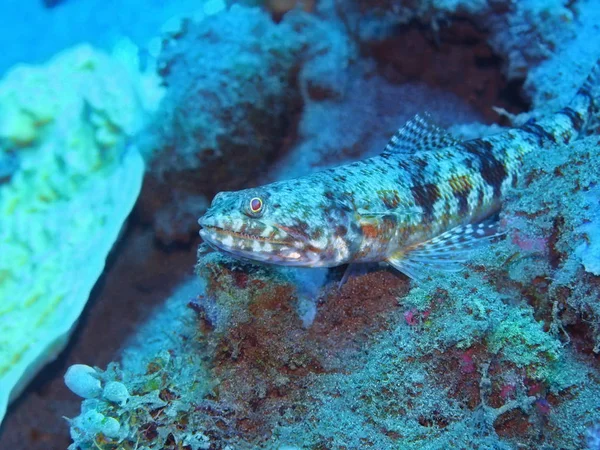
x,y
250,378
529,31
550,83
421,385
550,223
497,356
524,33
152,410
207,138
67,125
472,368
552,226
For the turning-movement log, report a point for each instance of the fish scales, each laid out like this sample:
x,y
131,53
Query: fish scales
x,y
422,203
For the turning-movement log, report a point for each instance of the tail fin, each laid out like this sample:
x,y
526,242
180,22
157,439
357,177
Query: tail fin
x,y
592,81
574,119
584,104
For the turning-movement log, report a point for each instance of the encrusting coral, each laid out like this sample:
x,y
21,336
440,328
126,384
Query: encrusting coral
x,y
458,360
524,32
230,94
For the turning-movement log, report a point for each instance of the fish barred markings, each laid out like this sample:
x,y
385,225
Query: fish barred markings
x,y
492,165
424,202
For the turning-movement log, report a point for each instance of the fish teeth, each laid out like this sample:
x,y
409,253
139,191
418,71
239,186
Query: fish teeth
x,y
342,249
294,255
320,243
312,256
267,231
227,241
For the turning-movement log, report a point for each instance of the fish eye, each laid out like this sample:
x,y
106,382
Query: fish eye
x,y
256,205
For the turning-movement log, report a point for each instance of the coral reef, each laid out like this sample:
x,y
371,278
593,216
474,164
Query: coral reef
x,y
547,46
457,361
553,226
252,382
498,356
70,178
503,355
524,32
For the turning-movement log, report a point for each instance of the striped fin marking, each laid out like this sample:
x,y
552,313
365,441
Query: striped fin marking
x,y
419,133
447,251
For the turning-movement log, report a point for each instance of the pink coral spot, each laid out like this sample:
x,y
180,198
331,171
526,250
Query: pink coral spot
x,y
508,391
411,317
528,243
543,406
467,365
535,388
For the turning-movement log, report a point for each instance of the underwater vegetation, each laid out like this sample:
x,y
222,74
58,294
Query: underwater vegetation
x,y
503,354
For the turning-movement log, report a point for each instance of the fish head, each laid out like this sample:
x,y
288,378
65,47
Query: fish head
x,y
292,224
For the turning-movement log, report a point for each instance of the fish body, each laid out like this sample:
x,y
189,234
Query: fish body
x,y
424,202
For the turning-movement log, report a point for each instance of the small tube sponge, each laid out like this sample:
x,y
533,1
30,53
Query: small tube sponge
x,y
83,381
95,423
115,392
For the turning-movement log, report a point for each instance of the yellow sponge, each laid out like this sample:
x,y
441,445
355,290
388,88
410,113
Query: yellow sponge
x,y
68,124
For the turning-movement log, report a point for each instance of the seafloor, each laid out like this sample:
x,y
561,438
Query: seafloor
x,y
173,347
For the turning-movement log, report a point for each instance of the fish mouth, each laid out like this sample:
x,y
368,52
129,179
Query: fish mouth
x,y
279,247
208,230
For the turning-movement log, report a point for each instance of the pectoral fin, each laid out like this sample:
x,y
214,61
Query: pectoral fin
x,y
446,252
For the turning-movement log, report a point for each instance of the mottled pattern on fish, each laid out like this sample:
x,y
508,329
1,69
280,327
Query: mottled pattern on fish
x,y
424,201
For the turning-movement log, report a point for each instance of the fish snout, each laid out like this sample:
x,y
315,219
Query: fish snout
x,y
207,220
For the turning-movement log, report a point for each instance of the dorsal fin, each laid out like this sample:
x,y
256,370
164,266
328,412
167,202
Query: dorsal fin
x,y
419,133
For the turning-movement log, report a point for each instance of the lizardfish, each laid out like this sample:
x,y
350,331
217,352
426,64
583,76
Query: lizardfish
x,y
423,203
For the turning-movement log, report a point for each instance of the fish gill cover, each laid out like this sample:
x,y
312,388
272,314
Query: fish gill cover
x,y
502,354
